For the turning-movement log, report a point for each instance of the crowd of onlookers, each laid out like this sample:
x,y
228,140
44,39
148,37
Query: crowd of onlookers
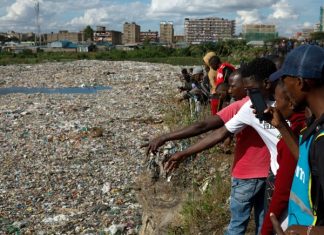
x,y
274,107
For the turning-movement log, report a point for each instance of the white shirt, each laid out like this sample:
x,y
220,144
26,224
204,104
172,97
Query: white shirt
x,y
269,134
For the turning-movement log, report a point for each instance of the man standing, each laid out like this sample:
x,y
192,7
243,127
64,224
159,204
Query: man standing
x,y
303,77
218,73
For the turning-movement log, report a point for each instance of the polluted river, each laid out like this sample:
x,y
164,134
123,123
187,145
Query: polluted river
x,y
69,156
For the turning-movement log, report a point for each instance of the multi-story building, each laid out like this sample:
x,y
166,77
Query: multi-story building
x,y
306,33
100,35
179,38
259,32
131,33
111,36
65,35
166,32
151,36
208,29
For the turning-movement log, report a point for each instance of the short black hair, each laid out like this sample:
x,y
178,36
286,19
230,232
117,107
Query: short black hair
x,y
222,86
184,71
214,60
260,68
237,71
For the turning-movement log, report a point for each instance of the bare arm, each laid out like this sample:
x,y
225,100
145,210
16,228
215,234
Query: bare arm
x,y
287,134
290,138
195,129
209,141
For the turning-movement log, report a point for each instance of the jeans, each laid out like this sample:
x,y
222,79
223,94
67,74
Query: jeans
x,y
245,195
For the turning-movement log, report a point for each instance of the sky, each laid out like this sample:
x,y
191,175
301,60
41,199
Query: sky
x,y
74,15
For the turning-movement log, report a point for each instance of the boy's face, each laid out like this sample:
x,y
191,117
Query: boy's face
x,y
236,89
283,103
295,92
251,82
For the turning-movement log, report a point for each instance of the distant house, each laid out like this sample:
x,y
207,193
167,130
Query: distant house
x,y
128,47
62,44
104,46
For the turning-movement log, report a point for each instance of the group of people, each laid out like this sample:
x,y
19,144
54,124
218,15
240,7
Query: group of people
x,y
278,167
212,88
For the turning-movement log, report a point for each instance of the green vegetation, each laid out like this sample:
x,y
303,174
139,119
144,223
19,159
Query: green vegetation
x,y
317,36
88,33
207,212
233,51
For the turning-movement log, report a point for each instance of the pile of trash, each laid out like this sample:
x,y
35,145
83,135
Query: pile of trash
x,y
69,161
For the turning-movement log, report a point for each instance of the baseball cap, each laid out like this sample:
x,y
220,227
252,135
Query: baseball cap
x,y
306,61
197,70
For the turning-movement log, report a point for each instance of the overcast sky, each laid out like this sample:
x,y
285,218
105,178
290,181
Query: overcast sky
x,y
73,15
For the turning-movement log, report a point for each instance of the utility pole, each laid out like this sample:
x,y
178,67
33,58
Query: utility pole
x,y
36,7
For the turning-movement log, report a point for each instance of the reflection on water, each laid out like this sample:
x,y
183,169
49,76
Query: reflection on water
x,y
66,90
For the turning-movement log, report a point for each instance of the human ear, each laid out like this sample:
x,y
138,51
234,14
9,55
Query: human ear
x,y
267,84
302,84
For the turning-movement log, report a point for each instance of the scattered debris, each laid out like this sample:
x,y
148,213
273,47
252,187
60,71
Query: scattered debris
x,y
69,161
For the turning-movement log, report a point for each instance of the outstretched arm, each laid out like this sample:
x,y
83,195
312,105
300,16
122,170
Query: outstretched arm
x,y
195,129
209,141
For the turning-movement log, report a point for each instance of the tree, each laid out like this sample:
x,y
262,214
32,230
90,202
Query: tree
x,y
88,33
317,36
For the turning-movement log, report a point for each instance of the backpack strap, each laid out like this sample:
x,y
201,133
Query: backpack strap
x,y
318,192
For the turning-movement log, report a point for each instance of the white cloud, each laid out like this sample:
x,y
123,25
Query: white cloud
x,y
207,6
248,17
111,15
283,11
19,15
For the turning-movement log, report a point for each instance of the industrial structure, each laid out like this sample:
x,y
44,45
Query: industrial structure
x,y
166,32
208,29
131,33
65,35
150,36
259,32
110,36
38,34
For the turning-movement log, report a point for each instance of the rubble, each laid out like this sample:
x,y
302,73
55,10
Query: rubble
x,y
69,161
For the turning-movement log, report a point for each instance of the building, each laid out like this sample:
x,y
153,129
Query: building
x,y
110,36
259,32
65,35
179,38
166,32
131,33
306,33
151,36
208,29
317,27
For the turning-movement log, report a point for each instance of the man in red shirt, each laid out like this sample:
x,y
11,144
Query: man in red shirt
x,y
223,71
251,160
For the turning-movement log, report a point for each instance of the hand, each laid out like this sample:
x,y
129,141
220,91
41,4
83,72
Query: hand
x,y
277,120
153,145
276,225
173,162
181,89
272,116
292,230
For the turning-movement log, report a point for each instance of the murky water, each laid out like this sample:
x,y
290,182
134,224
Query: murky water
x,y
66,90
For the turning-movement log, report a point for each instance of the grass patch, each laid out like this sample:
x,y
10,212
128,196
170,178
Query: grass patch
x,y
208,212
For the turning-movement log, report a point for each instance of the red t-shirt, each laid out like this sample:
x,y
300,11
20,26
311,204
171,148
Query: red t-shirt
x,y
284,177
251,157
